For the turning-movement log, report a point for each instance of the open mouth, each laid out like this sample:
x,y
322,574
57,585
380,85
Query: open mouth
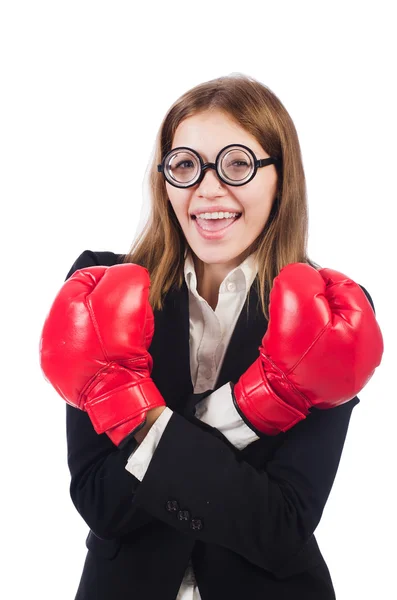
x,y
215,228
215,224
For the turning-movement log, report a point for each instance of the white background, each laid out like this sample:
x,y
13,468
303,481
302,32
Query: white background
x,y
84,86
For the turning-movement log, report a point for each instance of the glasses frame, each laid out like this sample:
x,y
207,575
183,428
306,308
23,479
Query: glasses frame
x,y
258,163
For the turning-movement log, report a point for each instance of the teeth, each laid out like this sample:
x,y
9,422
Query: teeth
x,y
217,215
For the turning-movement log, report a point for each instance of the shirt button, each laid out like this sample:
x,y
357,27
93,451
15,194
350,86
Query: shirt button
x,y
231,287
196,524
183,515
172,505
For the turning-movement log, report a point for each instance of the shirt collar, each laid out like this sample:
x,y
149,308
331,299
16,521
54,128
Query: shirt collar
x,y
241,277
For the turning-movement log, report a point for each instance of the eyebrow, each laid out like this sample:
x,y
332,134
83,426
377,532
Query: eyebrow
x,y
257,152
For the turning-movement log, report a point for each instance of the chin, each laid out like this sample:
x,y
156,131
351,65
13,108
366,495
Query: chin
x,y
218,256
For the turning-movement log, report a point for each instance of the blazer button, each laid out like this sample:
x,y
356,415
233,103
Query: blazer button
x,y
183,515
196,524
172,505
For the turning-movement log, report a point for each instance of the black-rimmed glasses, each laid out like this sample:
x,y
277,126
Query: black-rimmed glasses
x,y
235,165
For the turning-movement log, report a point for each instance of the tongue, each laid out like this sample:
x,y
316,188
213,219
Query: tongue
x,y
214,224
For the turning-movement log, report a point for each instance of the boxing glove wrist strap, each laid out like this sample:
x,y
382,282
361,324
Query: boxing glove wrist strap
x,y
260,407
108,409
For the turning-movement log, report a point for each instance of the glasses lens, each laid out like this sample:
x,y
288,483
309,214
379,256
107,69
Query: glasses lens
x,y
236,165
182,168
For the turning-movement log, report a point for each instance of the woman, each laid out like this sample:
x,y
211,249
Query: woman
x,y
203,468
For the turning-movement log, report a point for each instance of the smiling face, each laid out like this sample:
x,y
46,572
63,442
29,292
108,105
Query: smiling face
x,y
221,242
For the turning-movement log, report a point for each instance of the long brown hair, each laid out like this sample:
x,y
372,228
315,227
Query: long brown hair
x,y
161,245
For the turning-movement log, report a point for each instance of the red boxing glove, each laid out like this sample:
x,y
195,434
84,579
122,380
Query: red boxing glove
x,y
94,347
321,347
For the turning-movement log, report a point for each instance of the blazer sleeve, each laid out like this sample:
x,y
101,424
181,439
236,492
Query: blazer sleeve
x,y
101,489
205,489
199,484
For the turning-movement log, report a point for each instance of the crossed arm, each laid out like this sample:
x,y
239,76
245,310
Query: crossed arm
x,y
263,506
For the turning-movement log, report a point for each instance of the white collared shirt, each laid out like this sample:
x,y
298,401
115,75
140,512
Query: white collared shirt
x,y
209,336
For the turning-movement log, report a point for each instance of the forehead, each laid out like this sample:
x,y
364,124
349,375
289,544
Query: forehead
x,y
210,131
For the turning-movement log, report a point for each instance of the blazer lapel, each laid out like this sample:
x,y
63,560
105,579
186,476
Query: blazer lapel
x,y
170,349
245,341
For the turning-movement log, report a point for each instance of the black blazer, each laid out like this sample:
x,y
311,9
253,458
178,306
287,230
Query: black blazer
x,y
250,514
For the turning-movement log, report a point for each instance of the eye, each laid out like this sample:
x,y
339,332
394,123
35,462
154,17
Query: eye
x,y
238,163
184,164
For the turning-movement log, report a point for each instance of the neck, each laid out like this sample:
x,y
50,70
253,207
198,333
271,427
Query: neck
x,y
210,277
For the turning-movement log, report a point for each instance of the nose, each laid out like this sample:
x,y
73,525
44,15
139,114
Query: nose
x,y
210,185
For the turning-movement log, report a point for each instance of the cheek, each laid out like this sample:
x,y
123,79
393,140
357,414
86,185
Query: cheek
x,y
179,200
259,199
